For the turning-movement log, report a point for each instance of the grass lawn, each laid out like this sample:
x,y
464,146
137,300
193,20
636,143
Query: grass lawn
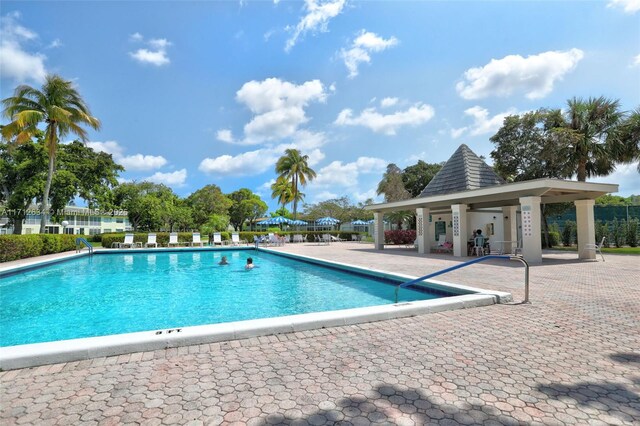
x,y
612,250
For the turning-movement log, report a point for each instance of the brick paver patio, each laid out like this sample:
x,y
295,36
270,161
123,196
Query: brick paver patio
x,y
571,357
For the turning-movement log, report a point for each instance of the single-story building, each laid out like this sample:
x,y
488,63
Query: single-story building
x,y
466,194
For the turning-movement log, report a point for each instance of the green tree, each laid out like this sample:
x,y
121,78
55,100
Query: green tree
x,y
294,166
588,135
416,177
613,200
246,206
341,208
392,185
281,190
59,107
207,201
22,177
144,202
628,149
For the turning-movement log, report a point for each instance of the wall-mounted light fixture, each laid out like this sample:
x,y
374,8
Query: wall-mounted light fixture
x,y
506,217
494,218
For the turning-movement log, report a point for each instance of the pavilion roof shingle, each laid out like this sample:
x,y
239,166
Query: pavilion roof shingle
x,y
464,171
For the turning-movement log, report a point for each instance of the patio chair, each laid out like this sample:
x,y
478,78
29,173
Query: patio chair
x,y
478,247
195,240
235,239
173,240
335,239
355,237
217,239
151,241
128,242
297,238
595,247
326,238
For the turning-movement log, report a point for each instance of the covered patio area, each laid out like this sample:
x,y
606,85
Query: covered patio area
x,y
510,212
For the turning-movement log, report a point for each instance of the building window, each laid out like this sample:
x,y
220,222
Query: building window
x,y
27,231
107,230
119,220
51,230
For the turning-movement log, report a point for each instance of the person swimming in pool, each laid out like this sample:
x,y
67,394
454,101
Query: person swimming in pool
x,y
223,261
249,264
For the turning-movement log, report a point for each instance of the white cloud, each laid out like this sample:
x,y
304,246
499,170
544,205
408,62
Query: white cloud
x,y
177,178
324,196
346,175
318,15
359,52
629,6
482,122
225,135
364,196
263,159
625,175
278,107
55,44
636,61
388,124
388,102
15,61
156,55
245,164
535,75
129,162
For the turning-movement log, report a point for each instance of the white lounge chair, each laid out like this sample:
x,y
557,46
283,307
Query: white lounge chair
x,y
235,239
297,238
195,240
151,241
217,239
335,239
595,247
128,242
173,239
326,238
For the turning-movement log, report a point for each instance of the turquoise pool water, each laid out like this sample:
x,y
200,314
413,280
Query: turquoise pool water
x,y
119,293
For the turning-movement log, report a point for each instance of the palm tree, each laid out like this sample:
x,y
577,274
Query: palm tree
x,y
281,189
392,185
294,166
588,134
629,147
59,107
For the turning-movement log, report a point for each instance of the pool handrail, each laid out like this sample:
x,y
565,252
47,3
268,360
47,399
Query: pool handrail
x,y
471,262
80,241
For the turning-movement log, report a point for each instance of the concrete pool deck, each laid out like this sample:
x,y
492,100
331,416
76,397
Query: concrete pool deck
x,y
572,356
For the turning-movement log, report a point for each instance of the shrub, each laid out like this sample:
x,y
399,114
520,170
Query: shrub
x,y
400,236
632,233
619,232
602,230
14,247
568,233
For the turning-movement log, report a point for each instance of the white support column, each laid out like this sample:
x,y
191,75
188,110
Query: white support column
x,y
378,226
459,219
422,231
510,227
531,237
586,228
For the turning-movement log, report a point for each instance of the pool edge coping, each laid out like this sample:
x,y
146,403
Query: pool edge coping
x,y
36,354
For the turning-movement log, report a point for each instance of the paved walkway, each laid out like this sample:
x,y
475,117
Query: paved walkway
x,y
571,357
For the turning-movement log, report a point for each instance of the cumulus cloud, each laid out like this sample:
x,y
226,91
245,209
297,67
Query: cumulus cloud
x,y
346,175
388,124
136,162
177,178
317,17
15,61
482,122
263,159
278,107
629,6
388,102
155,55
534,75
625,175
361,48
636,61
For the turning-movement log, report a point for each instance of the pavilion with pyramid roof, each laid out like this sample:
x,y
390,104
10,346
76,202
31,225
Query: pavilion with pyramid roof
x,y
466,194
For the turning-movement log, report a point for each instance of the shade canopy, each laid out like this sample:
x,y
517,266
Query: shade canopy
x,y
358,222
298,222
278,220
327,221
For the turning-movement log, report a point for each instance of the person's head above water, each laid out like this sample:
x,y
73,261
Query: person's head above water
x,y
223,261
249,264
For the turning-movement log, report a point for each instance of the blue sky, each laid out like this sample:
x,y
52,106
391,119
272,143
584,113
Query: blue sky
x,y
193,93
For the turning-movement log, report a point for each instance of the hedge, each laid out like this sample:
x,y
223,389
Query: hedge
x,y
14,247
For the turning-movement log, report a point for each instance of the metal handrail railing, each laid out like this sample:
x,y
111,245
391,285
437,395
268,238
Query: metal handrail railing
x,y
471,262
80,241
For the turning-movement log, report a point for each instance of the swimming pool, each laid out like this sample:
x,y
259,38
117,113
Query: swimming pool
x,y
110,293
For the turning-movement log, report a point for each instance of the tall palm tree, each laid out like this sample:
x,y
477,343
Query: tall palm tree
x,y
588,134
392,185
281,189
294,166
629,147
60,108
